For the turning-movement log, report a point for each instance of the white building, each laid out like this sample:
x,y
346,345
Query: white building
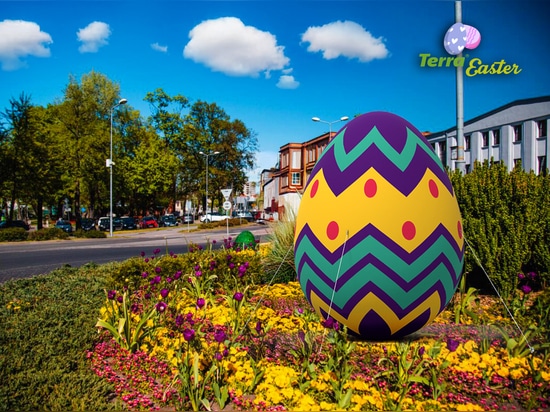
x,y
512,133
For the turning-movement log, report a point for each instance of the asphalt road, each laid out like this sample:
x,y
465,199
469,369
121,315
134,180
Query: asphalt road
x,y
27,259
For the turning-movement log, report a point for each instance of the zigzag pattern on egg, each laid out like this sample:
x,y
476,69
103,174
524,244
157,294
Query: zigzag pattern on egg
x,y
394,273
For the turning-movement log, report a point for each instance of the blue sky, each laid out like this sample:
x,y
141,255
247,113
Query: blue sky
x,y
276,64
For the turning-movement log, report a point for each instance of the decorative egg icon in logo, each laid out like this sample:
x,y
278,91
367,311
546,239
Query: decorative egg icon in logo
x,y
460,36
378,243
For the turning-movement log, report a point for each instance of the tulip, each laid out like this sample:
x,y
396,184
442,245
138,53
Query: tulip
x,y
188,334
238,296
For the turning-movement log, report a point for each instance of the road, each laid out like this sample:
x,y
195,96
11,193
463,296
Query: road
x,y
27,259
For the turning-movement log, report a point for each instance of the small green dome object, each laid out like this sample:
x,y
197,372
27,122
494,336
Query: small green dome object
x,y
245,240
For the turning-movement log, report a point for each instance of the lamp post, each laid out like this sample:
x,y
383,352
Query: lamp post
x,y
207,155
110,166
341,119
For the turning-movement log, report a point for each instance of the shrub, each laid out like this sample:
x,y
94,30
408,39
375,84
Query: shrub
x,y
50,233
90,234
279,261
15,234
506,222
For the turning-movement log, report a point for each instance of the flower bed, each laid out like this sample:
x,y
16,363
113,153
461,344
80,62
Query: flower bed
x,y
201,331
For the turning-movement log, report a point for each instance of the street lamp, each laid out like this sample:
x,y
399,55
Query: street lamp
x,y
341,119
110,166
207,155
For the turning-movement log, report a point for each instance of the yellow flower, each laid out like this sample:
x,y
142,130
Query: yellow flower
x,y
467,407
545,376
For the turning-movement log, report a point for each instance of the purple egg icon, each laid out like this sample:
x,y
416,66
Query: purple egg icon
x,y
460,36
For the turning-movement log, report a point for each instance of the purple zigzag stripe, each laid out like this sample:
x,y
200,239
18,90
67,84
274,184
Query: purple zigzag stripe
x,y
372,260
371,230
388,300
405,181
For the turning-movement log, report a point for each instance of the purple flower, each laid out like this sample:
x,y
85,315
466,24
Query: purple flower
x,y
164,293
421,350
258,327
161,306
238,296
452,344
188,334
214,241
218,356
220,336
111,294
177,275
198,273
146,260
526,289
521,276
134,308
156,251
120,298
158,269
330,323
168,280
142,253
532,275
179,320
231,265
144,275
200,303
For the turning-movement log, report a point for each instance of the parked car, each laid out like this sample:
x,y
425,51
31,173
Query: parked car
x,y
8,224
188,218
104,224
243,215
168,221
87,224
64,225
148,222
213,217
128,223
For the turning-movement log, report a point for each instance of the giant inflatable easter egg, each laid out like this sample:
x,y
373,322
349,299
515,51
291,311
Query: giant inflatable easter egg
x,y
379,244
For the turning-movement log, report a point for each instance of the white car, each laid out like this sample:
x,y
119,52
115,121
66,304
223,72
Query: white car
x,y
213,217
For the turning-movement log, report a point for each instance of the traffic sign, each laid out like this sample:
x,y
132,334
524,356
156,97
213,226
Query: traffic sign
x,y
226,193
226,205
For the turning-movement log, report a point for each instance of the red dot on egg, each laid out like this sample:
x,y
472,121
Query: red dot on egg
x,y
459,227
434,190
314,188
370,188
332,230
409,230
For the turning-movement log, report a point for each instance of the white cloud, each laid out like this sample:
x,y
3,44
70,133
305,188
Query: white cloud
x,y
159,48
19,39
287,82
226,45
345,38
93,36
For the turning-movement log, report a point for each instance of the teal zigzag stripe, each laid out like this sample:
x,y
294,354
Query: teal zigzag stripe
x,y
374,137
406,271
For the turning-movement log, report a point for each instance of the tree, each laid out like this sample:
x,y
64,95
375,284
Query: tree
x,y
211,130
84,125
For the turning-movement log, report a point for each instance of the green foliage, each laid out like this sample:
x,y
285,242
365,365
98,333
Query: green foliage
x,y
506,222
279,263
48,234
14,234
89,234
47,325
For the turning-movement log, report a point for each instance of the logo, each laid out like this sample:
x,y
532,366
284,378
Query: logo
x,y
457,38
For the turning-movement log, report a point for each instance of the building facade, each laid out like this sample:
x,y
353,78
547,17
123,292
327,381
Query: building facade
x,y
512,134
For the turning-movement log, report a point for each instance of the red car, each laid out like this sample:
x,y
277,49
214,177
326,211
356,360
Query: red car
x,y
148,222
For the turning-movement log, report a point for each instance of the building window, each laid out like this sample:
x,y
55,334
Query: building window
x,y
284,160
468,168
467,141
311,155
485,139
517,163
443,153
542,127
284,181
295,178
543,166
496,137
518,135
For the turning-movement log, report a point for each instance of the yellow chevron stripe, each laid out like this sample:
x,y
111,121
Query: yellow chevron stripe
x,y
387,210
373,302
